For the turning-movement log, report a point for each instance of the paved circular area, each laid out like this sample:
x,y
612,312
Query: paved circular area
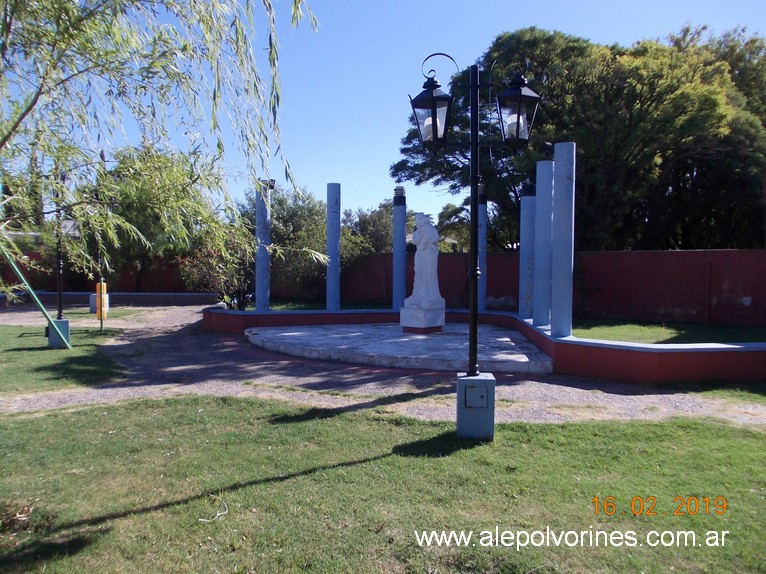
x,y
165,353
500,350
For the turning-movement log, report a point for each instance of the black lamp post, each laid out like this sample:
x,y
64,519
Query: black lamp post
x,y
517,108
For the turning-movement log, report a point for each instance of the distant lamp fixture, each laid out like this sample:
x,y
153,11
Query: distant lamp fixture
x,y
432,108
517,107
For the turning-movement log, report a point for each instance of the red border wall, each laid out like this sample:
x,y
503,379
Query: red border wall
x,y
627,362
726,287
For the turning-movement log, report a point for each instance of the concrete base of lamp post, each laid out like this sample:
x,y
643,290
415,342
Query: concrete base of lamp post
x,y
476,406
54,341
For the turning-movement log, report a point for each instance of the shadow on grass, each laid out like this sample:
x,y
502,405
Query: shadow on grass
x,y
70,538
438,446
326,413
29,554
27,353
90,367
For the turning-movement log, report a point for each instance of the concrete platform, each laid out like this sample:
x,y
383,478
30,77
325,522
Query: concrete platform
x,y
500,349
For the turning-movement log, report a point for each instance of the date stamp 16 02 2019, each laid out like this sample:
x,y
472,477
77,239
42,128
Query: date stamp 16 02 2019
x,y
647,506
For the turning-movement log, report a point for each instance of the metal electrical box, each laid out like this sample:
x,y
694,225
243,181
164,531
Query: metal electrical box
x,y
476,406
476,396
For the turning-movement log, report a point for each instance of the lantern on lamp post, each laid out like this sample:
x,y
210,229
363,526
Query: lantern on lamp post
x,y
432,109
517,108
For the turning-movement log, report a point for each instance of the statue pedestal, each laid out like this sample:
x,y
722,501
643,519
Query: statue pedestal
x,y
416,320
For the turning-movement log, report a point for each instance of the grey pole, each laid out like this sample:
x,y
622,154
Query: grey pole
x,y
563,240
263,238
399,290
333,246
541,300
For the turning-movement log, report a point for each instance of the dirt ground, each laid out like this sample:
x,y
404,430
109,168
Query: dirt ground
x,y
165,353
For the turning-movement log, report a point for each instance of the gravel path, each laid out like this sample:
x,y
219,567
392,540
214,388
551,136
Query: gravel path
x,y
166,353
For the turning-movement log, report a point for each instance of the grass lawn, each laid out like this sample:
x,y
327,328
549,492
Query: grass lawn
x,y
28,365
137,487
641,332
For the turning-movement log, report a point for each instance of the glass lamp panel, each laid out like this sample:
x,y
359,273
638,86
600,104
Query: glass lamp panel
x,y
423,118
441,119
515,122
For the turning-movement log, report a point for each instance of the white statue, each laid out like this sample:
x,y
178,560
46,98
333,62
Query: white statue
x,y
425,291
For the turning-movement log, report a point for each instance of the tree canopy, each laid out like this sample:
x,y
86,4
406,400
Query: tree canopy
x,y
78,76
671,137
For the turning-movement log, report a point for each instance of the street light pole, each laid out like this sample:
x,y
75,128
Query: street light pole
x,y
59,252
474,271
517,107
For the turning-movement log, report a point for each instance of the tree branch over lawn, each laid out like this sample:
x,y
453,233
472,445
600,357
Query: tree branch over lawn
x,y
84,77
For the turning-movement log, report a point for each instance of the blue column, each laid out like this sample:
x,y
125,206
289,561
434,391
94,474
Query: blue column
x,y
333,246
563,239
482,288
541,300
399,288
263,240
526,252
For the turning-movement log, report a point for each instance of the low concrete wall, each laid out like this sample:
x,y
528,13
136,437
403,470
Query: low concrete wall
x,y
232,321
627,362
49,298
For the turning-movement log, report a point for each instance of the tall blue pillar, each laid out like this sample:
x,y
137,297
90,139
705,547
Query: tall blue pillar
x,y
541,300
563,239
481,292
263,239
527,252
399,288
333,246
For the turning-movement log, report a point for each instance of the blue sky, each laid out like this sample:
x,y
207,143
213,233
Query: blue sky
x,y
346,86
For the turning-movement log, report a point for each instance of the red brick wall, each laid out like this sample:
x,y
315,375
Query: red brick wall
x,y
726,287
716,287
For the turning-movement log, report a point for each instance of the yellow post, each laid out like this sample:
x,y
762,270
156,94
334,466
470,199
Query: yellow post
x,y
101,300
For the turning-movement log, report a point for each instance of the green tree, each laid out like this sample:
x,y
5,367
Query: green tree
x,y
299,239
76,73
652,122
138,191
454,223
376,226
222,264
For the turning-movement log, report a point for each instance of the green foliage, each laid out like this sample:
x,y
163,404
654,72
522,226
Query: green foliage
x,y
371,229
670,137
221,261
455,224
299,239
161,197
76,76
375,225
